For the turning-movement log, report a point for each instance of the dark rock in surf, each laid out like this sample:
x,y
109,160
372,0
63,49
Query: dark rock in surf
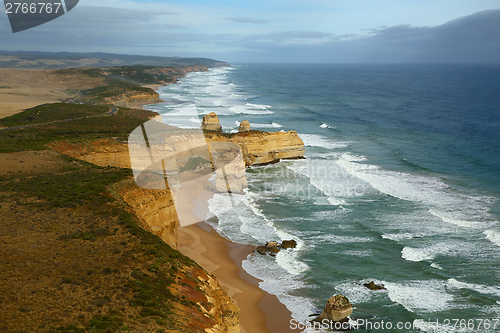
x,y
261,249
373,286
289,244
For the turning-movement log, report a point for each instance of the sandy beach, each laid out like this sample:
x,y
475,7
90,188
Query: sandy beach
x,y
260,312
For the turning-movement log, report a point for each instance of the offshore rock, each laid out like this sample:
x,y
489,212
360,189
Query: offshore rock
x,y
337,309
261,249
373,286
244,126
289,244
211,122
270,247
273,247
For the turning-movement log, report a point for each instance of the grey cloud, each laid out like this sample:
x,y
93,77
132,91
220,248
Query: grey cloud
x,y
471,39
98,29
242,19
283,38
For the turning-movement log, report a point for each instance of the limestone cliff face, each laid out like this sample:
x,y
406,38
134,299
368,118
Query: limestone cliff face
x,y
264,147
126,100
154,207
102,153
216,314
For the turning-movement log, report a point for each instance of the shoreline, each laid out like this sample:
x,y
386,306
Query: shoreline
x,y
260,312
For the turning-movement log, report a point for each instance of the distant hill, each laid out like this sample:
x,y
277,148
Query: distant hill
x,y
60,60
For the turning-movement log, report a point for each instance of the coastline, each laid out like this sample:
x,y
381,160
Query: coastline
x,y
260,312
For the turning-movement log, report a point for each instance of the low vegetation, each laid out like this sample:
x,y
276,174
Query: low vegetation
x,y
123,81
83,130
74,258
51,112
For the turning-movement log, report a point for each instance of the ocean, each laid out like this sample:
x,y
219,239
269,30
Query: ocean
x,y
400,186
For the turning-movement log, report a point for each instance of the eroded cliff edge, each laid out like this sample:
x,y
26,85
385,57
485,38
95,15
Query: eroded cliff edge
x,y
77,248
156,207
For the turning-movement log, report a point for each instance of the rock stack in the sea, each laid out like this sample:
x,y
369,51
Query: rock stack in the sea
x,y
257,147
244,126
274,247
211,122
337,309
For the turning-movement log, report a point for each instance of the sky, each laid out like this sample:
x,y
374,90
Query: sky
x,y
280,31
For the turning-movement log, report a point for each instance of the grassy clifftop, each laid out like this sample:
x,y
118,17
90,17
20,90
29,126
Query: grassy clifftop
x,y
82,130
124,82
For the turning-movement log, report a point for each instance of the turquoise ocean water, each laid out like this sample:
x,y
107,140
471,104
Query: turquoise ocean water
x,y
401,186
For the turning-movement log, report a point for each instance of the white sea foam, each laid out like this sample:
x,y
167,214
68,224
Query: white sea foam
x,y
413,254
436,266
355,291
278,281
272,125
365,253
324,125
482,289
244,109
430,251
493,236
329,179
424,295
399,236
258,106
316,140
336,201
288,259
241,221
454,218
339,239
189,110
450,206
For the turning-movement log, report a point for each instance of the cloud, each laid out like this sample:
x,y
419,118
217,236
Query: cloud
x,y
173,30
470,39
242,19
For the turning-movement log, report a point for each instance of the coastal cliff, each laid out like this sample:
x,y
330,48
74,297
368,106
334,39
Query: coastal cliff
x,y
85,248
156,207
260,147
148,97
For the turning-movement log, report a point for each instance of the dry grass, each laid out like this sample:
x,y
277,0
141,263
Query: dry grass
x,y
30,163
26,88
